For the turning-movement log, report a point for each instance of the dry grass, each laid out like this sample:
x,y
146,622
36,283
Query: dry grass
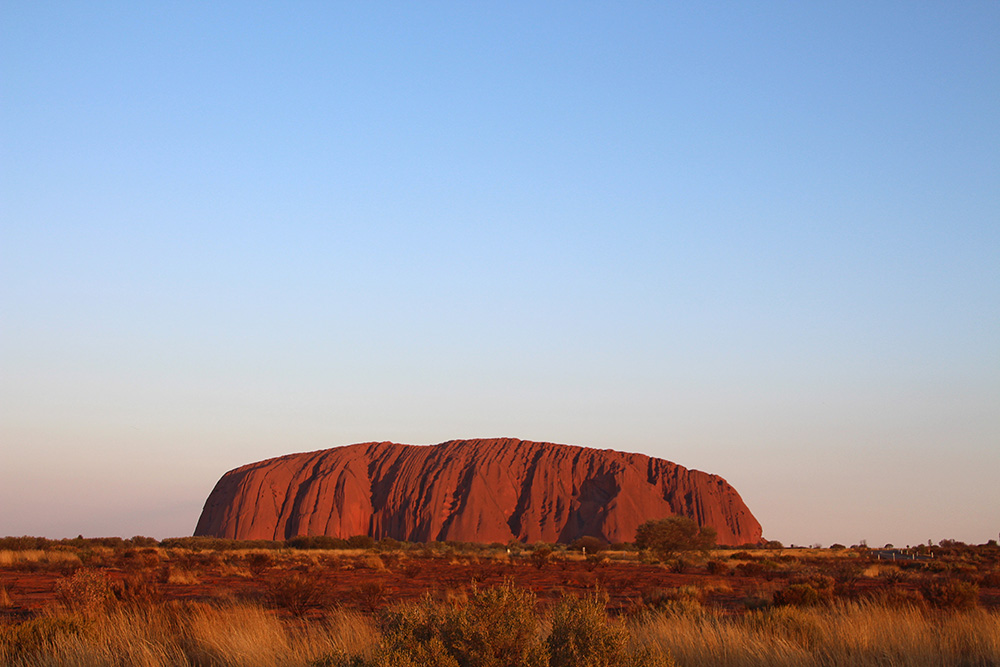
x,y
14,558
181,634
860,634
853,633
6,602
182,576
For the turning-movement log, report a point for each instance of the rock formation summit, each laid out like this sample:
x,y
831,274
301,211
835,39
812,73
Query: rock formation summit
x,y
468,491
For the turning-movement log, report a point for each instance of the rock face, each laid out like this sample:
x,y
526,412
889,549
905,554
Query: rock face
x,y
468,491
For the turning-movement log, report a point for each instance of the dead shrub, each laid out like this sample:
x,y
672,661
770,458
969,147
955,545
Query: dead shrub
x,y
540,556
371,594
258,562
299,593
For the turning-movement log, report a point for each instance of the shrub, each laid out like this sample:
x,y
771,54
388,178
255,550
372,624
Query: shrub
x,y
298,593
951,594
258,562
540,556
371,594
589,544
316,542
667,536
360,542
583,635
137,589
799,595
87,591
497,628
717,567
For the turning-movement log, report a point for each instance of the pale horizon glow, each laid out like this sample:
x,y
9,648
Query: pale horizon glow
x,y
762,242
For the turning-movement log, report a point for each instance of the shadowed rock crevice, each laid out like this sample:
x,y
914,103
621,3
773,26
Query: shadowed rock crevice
x,y
470,491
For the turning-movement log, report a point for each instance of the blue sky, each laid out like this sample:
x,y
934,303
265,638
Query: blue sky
x,y
761,241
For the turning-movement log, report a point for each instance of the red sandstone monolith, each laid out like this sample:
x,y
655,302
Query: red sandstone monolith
x,y
469,491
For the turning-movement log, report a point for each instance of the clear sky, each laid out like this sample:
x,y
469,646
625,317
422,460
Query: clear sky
x,y
756,239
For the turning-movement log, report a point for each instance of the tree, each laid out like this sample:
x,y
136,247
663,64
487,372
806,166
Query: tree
x,y
666,537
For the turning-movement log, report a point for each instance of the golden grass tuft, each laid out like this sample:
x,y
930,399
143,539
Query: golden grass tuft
x,y
182,576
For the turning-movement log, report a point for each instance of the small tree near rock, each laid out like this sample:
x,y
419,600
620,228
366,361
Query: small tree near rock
x,y
665,537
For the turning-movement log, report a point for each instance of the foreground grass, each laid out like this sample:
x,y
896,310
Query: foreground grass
x,y
181,634
500,627
845,633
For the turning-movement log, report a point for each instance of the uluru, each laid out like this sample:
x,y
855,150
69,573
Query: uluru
x,y
495,490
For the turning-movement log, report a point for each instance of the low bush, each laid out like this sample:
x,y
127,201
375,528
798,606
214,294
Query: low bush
x,y
139,589
717,567
588,544
87,591
582,634
317,542
299,593
540,556
950,593
360,542
497,628
258,562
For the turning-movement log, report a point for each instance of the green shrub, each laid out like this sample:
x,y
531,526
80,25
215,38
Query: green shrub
x,y
497,628
667,536
806,591
798,595
583,635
